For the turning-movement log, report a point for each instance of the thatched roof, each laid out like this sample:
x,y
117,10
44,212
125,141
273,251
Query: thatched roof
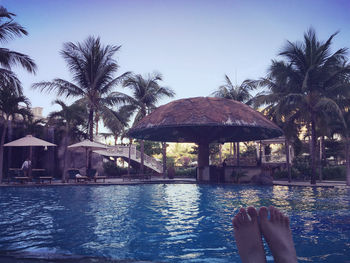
x,y
205,119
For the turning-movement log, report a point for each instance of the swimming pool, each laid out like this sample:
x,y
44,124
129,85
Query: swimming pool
x,y
166,223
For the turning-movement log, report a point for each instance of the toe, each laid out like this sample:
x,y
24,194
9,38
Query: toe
x,y
272,211
244,214
263,213
235,223
252,213
286,221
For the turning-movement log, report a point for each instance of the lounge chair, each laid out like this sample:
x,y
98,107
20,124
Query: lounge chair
x,y
93,175
75,175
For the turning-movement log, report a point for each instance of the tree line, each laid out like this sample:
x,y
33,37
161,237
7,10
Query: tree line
x,y
307,86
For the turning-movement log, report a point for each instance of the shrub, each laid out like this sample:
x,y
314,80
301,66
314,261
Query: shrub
x,y
302,164
334,173
111,169
186,172
284,174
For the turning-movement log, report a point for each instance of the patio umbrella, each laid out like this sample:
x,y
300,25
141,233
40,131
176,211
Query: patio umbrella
x,y
88,145
205,120
30,141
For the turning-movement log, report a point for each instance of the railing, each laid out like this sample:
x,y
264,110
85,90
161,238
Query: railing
x,y
243,161
281,158
135,155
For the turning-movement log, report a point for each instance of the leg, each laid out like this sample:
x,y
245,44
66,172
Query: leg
x,y
248,236
277,234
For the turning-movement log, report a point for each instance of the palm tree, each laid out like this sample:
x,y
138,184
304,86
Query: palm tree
x,y
239,93
69,119
146,92
10,107
283,114
311,75
93,68
118,128
8,58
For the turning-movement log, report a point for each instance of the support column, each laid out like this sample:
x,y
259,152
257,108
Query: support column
x,y
164,159
203,161
142,146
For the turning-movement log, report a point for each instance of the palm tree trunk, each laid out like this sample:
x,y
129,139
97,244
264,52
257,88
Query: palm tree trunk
x,y
313,148
320,157
91,136
347,154
65,159
287,161
2,142
130,142
91,124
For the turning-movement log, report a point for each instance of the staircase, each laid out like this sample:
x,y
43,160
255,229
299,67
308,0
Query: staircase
x,y
135,155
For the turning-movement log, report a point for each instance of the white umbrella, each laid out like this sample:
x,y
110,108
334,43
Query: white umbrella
x,y
88,146
30,141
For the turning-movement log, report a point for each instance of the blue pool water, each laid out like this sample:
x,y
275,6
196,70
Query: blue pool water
x,y
167,223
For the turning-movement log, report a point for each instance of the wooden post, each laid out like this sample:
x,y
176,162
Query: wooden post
x,y
129,158
142,146
164,159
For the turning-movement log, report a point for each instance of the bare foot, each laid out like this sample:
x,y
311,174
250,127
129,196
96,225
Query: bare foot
x,y
248,236
277,234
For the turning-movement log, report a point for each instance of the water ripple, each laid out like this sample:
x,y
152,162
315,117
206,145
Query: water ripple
x,y
166,223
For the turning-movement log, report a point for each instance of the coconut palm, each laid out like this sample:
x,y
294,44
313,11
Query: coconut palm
x,y
93,68
146,93
8,58
11,105
311,74
68,120
118,128
239,93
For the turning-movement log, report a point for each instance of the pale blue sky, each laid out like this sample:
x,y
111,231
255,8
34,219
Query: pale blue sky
x,y
192,43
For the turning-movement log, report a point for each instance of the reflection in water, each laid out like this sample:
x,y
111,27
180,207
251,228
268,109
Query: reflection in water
x,y
166,223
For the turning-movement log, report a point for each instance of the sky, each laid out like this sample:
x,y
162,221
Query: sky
x,y
192,43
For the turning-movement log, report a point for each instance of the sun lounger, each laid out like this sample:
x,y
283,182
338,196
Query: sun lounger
x,y
74,174
22,179
93,175
79,178
41,176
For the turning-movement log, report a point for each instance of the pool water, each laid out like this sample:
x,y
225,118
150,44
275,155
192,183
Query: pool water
x,y
166,223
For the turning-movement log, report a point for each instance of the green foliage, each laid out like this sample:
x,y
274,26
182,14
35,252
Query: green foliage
x,y
93,69
186,172
112,170
302,165
150,148
297,146
334,148
170,161
334,173
236,174
185,161
146,92
250,151
284,174
328,173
